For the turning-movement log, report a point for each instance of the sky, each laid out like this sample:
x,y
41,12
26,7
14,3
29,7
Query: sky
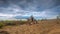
x,y
21,9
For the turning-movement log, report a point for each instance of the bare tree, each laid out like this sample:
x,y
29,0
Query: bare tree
x,y
58,19
31,20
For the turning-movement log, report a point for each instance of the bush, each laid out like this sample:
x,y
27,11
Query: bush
x,y
1,25
10,24
23,22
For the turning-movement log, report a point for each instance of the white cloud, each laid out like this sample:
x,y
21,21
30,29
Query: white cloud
x,y
6,16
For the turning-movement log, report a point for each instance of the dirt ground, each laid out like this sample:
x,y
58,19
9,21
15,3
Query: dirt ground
x,y
43,27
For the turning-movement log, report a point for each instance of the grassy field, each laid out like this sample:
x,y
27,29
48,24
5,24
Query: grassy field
x,y
43,27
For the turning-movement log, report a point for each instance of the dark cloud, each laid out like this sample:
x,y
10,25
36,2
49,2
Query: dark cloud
x,y
38,4
57,2
4,3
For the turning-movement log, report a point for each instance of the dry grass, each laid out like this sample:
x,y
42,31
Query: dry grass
x,y
44,27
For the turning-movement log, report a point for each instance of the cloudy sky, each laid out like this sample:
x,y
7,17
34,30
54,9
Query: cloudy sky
x,y
18,9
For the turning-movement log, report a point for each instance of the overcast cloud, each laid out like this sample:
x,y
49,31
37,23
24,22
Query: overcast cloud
x,y
25,8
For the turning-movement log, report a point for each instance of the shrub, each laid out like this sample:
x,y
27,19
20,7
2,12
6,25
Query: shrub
x,y
23,22
1,25
10,24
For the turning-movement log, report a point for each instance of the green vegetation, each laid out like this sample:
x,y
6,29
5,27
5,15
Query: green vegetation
x,y
1,25
11,23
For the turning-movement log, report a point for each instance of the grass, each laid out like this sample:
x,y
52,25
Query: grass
x,y
43,27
